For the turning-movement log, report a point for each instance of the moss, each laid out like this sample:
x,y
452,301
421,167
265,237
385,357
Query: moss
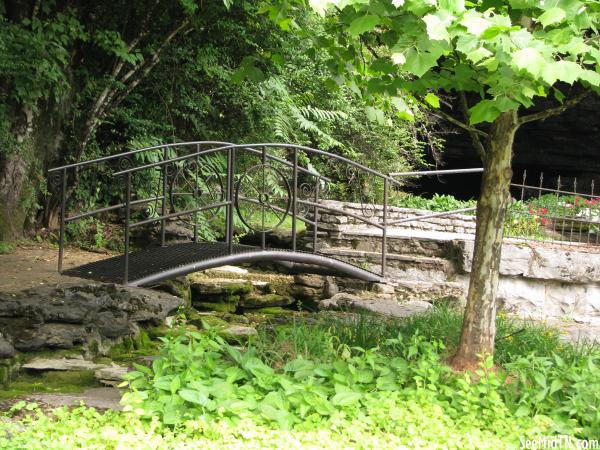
x,y
265,300
181,288
273,310
218,307
131,347
283,287
50,381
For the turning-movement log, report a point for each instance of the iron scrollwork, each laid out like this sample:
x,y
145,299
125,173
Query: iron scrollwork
x,y
194,184
263,198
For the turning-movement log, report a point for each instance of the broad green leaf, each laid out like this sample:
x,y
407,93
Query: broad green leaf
x,y
346,398
591,77
475,25
418,63
552,16
193,396
432,100
567,71
404,110
530,60
477,55
363,24
436,29
398,58
452,6
484,111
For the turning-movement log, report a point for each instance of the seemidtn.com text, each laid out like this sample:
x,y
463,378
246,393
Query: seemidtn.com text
x,y
561,441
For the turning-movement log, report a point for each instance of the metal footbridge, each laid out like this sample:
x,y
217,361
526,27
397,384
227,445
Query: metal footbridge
x,y
220,192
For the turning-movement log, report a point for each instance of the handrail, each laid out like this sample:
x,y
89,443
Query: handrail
x,y
250,146
436,172
133,152
429,216
180,144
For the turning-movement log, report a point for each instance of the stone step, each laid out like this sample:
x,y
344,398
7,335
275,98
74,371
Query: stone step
x,y
430,290
400,243
398,266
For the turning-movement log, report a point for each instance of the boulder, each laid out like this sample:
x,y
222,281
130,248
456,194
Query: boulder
x,y
72,314
111,375
6,348
266,300
313,281
237,333
43,364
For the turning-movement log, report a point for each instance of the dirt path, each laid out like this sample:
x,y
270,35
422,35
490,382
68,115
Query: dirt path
x,y
31,265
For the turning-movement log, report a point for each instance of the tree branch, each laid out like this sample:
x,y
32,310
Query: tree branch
x,y
442,115
108,97
543,115
476,138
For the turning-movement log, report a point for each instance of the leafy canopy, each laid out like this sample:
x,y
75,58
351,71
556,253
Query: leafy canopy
x,y
507,52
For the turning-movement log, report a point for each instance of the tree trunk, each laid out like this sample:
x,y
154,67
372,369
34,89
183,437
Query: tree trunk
x,y
13,174
479,327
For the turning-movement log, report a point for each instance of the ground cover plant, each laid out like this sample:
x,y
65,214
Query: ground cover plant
x,y
343,380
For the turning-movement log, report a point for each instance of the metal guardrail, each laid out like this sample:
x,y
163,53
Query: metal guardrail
x,y
238,185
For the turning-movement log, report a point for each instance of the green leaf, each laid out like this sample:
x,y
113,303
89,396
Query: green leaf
x,y
530,60
484,111
477,55
363,24
175,384
556,385
432,100
346,398
418,63
552,16
436,29
193,396
567,71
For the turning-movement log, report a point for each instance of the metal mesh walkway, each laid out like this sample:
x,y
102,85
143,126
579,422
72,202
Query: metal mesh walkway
x,y
158,263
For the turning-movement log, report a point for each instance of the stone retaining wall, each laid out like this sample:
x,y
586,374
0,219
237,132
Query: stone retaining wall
x,y
432,257
331,219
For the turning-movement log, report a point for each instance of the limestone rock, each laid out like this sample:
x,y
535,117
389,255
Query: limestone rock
x,y
382,306
313,281
266,300
209,287
6,348
111,375
62,364
79,313
237,333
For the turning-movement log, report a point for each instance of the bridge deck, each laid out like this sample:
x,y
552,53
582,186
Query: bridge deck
x,y
160,263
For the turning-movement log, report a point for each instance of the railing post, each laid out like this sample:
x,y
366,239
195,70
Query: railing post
x,y
230,198
294,198
61,231
263,237
127,217
164,197
384,230
316,216
196,194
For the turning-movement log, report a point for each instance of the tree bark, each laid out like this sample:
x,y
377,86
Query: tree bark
x,y
479,326
13,174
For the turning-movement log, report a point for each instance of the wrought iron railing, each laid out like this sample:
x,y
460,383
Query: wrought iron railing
x,y
568,215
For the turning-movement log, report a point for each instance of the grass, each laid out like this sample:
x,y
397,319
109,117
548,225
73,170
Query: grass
x,y
49,382
314,338
339,380
6,248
